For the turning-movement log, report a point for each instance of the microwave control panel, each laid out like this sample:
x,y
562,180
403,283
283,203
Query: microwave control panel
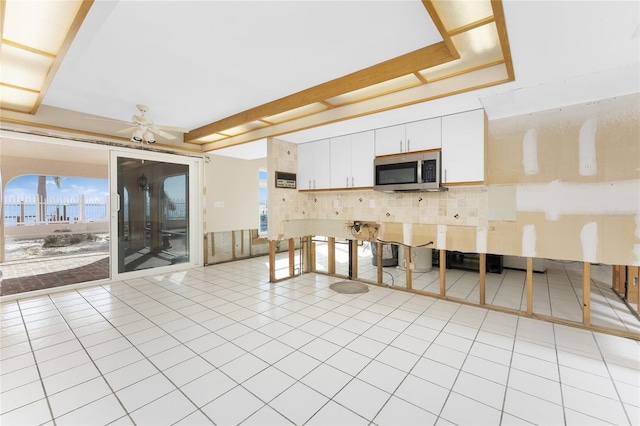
x,y
429,171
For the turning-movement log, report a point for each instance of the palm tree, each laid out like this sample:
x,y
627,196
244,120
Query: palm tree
x,y
42,194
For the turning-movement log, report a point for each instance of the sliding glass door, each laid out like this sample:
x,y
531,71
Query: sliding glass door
x,y
155,213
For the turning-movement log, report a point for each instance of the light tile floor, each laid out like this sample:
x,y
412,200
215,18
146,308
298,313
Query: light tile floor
x,y
221,345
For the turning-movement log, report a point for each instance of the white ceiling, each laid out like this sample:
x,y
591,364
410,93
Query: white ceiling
x,y
194,62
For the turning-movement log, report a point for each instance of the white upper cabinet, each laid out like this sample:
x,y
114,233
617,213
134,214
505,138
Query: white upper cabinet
x,y
415,136
424,134
352,160
362,155
463,147
313,165
390,140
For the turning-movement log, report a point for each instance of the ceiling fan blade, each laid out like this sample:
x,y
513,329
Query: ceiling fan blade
x,y
127,130
171,128
162,133
141,119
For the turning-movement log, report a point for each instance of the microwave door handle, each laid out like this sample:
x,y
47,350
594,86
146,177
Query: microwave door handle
x,y
420,166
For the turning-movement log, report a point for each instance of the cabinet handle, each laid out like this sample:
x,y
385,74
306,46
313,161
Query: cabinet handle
x,y
352,185
400,146
310,187
408,145
347,181
314,184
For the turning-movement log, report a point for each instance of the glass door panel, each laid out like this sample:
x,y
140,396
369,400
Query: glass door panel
x,y
153,210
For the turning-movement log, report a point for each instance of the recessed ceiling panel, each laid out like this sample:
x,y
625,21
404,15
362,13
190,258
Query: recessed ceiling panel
x,y
456,14
23,68
15,99
376,90
42,25
479,46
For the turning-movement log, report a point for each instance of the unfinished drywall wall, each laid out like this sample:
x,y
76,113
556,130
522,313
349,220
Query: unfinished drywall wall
x,y
575,175
231,197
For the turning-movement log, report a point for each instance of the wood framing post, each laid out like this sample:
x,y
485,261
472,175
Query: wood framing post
x,y
379,262
529,285
615,278
407,267
443,272
331,254
272,261
586,294
354,259
483,274
292,257
312,255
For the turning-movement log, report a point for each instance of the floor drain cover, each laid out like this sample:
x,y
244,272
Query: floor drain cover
x,y
349,287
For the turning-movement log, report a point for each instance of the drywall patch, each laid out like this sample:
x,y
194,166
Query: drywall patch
x,y
530,152
589,240
442,237
620,198
587,161
407,234
482,234
529,241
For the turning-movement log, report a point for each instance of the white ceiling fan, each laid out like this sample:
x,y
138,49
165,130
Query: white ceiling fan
x,y
145,130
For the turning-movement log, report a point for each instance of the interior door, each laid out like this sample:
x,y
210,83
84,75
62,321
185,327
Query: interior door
x,y
154,221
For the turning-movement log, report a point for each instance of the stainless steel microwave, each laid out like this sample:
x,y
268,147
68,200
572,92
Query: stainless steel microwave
x,y
409,172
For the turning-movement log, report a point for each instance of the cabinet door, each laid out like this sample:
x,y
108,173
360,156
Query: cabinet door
x,y
463,147
424,134
341,162
390,140
362,155
305,165
322,164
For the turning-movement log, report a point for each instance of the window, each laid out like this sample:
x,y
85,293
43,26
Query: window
x,y
262,201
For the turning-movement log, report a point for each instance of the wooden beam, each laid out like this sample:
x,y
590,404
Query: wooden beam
x,y
292,257
312,255
379,262
408,63
586,294
407,267
272,261
529,285
331,254
483,274
443,272
66,44
501,26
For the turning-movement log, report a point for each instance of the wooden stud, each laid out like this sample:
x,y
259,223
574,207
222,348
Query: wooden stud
x,y
312,255
407,267
529,285
331,253
379,263
443,273
586,294
272,261
633,276
483,273
292,257
615,278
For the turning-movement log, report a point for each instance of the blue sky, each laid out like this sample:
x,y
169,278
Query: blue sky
x,y
26,187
